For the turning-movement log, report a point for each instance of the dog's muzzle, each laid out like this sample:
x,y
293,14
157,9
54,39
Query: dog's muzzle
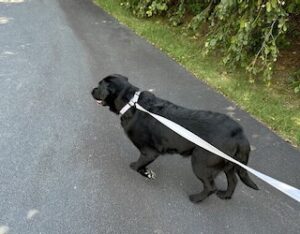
x,y
99,102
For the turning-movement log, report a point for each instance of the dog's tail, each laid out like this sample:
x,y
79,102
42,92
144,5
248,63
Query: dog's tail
x,y
244,176
242,155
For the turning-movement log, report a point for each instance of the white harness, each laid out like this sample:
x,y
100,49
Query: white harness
x,y
131,103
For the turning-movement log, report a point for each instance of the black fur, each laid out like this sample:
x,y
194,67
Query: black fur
x,y
153,139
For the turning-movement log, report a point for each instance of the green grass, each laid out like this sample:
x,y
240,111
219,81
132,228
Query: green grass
x,y
274,106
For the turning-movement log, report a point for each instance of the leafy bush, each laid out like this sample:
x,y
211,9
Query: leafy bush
x,y
247,32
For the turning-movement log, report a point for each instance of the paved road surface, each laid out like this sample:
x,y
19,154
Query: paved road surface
x,y
64,161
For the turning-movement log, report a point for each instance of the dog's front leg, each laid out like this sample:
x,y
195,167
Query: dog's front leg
x,y
144,160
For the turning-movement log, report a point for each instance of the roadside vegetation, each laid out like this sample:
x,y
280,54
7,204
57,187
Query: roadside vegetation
x,y
247,50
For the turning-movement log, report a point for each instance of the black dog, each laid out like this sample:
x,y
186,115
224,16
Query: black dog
x,y
153,138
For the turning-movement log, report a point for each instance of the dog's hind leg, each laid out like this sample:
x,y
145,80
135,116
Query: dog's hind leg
x,y
231,183
204,167
146,157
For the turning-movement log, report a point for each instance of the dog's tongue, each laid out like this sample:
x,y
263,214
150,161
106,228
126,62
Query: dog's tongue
x,y
99,102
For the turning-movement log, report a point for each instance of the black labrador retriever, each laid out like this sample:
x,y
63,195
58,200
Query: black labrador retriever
x,y
153,139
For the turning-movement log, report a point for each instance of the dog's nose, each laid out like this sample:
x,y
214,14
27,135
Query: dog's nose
x,y
93,91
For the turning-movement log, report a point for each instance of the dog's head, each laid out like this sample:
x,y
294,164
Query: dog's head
x,y
109,89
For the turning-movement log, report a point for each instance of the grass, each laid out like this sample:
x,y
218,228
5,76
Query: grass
x,y
275,106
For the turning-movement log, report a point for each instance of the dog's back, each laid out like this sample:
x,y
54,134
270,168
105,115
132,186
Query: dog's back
x,y
216,128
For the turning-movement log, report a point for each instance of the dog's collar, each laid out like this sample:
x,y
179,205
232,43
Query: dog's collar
x,y
131,103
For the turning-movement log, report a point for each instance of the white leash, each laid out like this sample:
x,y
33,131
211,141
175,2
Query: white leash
x,y
283,187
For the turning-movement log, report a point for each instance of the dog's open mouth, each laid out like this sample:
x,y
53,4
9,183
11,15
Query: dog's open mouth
x,y
101,102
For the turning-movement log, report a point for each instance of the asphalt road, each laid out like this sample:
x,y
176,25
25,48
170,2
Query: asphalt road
x,y
64,162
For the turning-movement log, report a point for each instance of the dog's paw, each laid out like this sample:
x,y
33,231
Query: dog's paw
x,y
223,195
148,174
194,198
199,197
